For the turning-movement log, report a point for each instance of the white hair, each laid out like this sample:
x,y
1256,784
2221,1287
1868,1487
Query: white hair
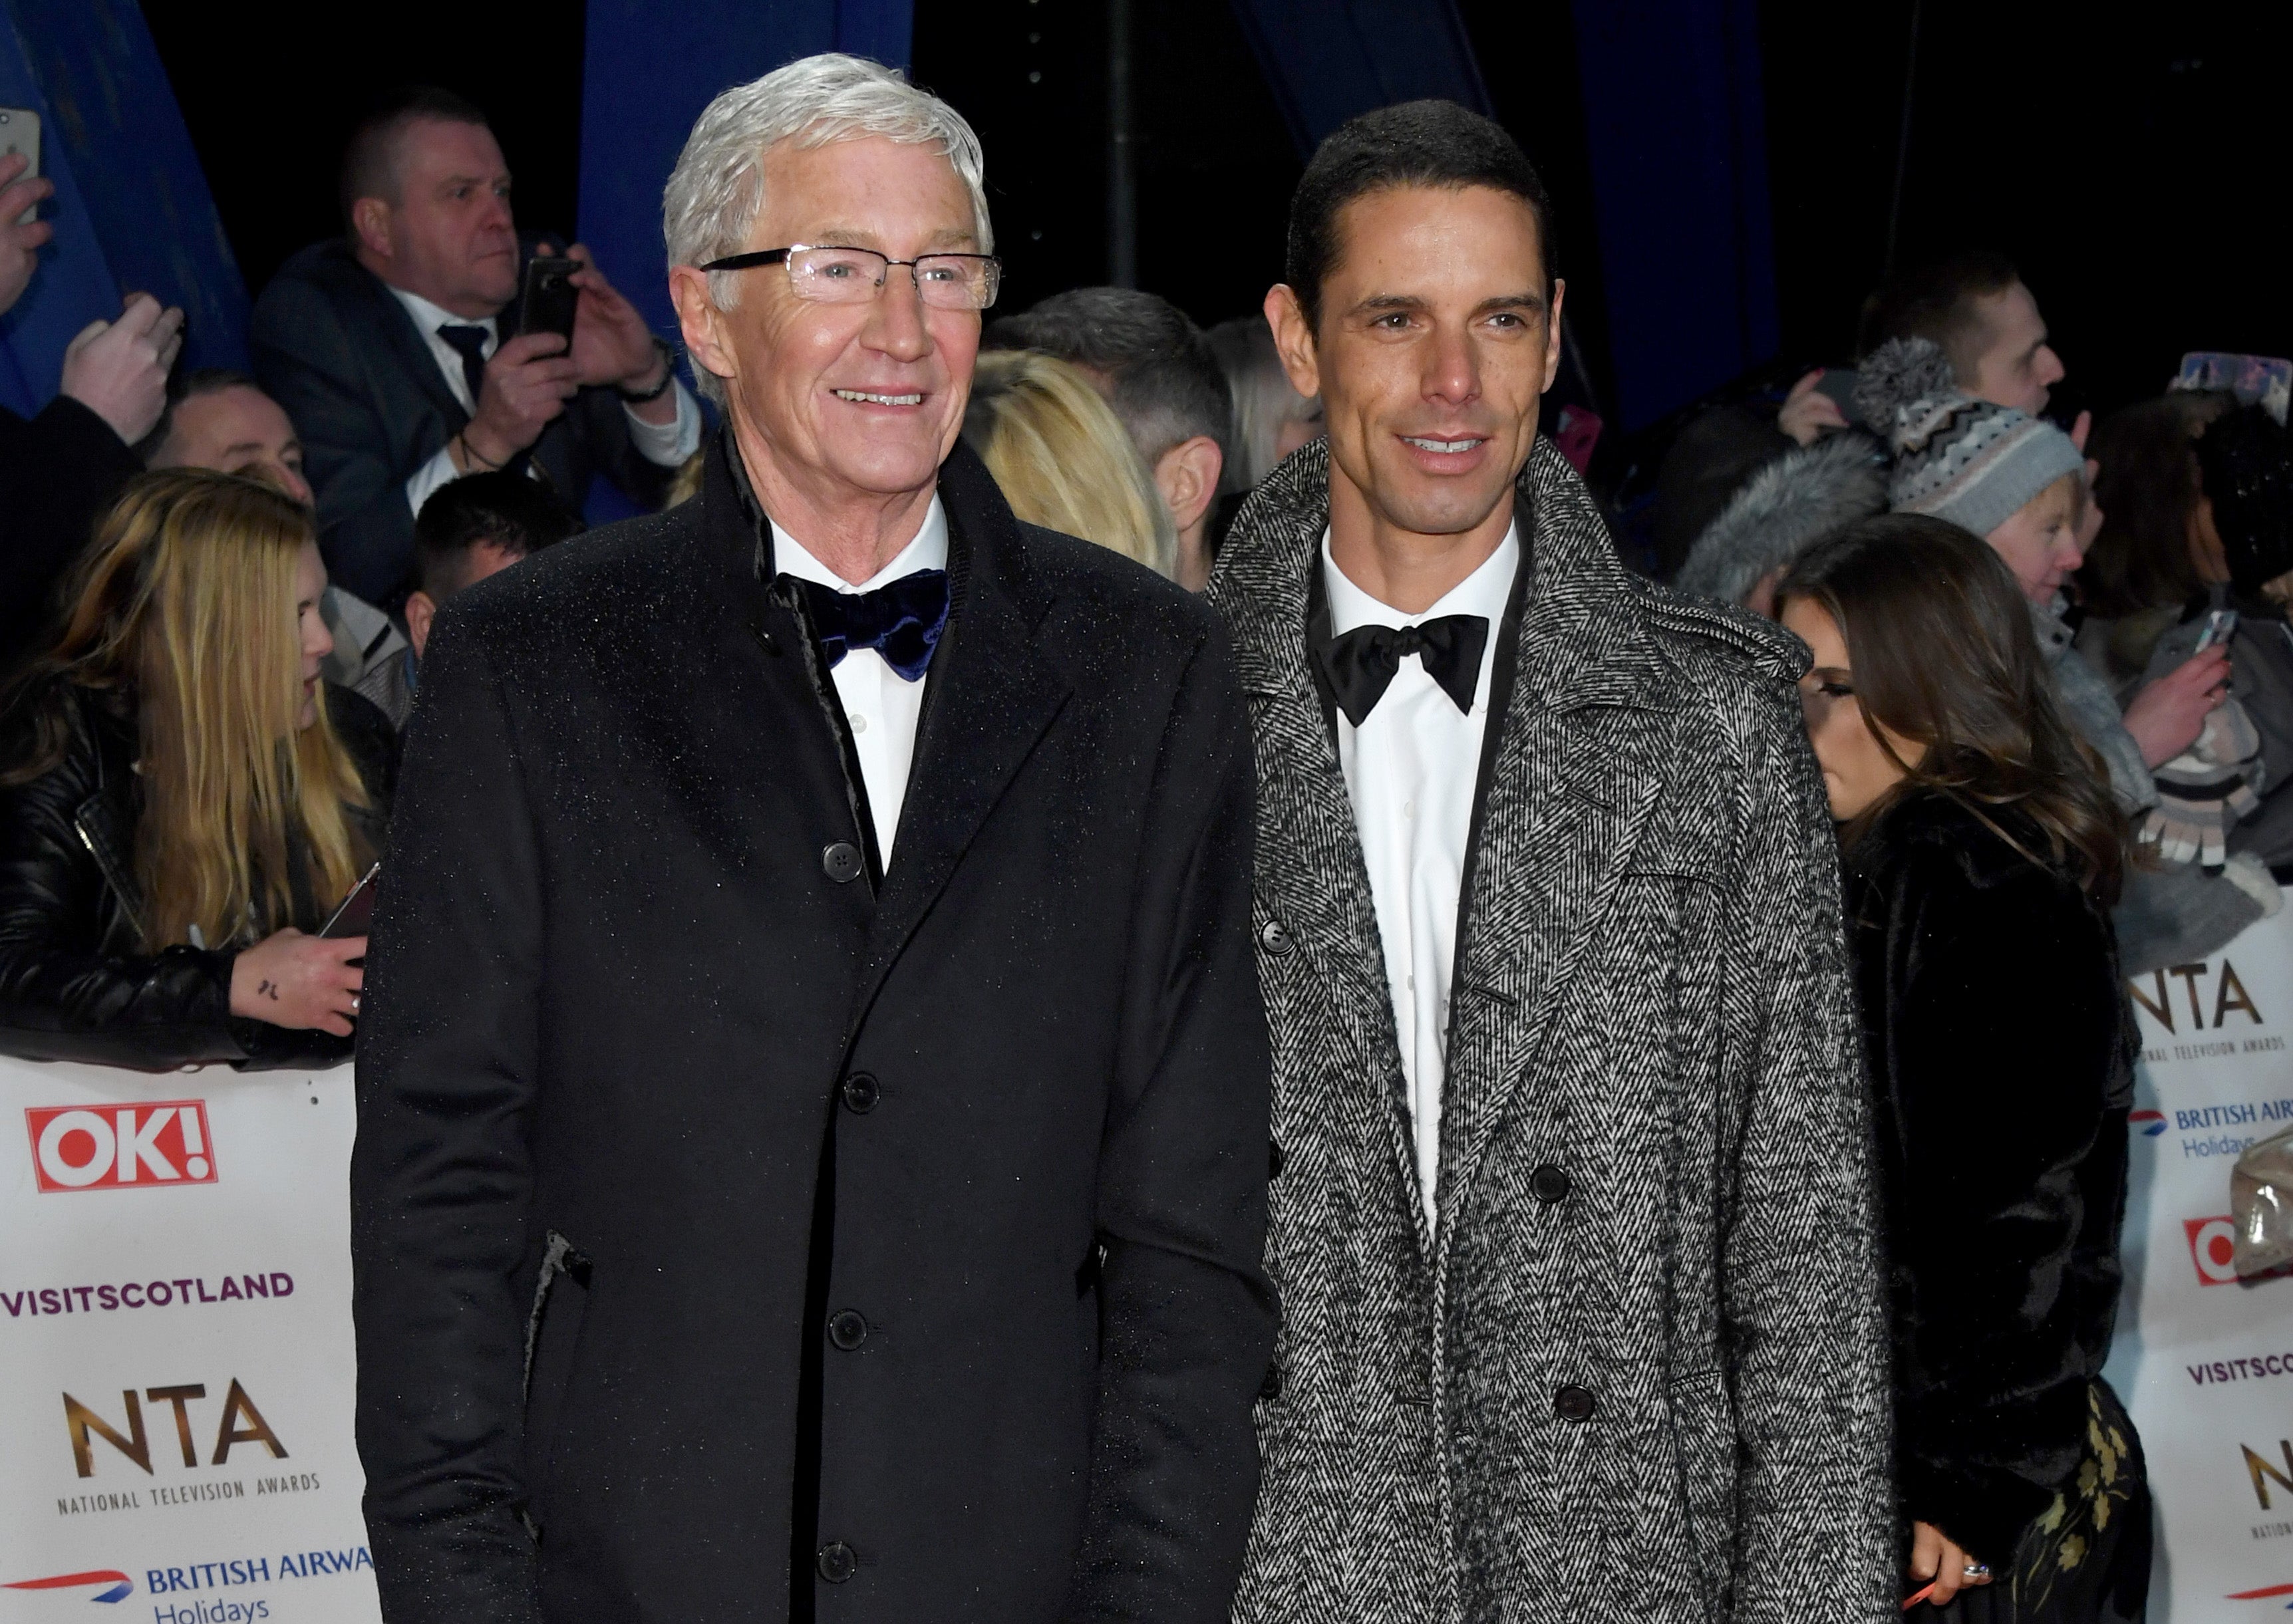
x,y
718,184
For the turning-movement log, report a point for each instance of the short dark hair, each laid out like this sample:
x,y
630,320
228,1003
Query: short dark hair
x,y
1162,378
1936,299
189,386
370,159
1417,143
503,509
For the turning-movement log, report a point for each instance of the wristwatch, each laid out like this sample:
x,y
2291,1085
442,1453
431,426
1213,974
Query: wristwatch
x,y
637,397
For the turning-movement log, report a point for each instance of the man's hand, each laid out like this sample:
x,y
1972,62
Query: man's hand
x,y
1933,1556
2167,715
306,982
528,382
1807,414
612,343
118,370
20,244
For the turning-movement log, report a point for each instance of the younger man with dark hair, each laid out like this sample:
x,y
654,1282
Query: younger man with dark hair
x,y
1159,373
1572,1215
473,527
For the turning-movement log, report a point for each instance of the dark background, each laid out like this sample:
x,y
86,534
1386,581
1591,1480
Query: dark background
x,y
2135,172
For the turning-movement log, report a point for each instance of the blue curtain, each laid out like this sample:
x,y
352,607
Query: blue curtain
x,y
132,210
1328,60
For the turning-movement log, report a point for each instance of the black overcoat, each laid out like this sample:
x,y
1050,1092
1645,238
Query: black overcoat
x,y
635,1017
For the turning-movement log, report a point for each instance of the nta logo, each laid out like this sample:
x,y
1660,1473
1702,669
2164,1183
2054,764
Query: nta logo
x,y
2213,1248
163,1142
121,1586
241,1422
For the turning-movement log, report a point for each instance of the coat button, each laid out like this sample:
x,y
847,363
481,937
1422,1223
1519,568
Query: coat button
x,y
1273,1159
1274,939
841,861
837,1562
848,1329
1575,1403
861,1093
1270,1387
1550,1182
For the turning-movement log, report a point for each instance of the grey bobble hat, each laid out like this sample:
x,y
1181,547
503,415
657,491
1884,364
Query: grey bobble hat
x,y
1960,459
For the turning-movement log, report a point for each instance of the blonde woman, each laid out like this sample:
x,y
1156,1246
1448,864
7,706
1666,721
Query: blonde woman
x,y
1060,455
182,799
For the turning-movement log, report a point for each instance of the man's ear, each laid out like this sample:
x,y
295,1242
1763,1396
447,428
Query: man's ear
x,y
1553,337
701,321
370,224
1293,339
421,609
1188,476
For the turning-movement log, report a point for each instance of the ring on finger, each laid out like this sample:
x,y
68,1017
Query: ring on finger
x,y
1975,1570
354,1003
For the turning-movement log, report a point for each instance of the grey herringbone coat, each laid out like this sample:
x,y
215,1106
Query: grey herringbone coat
x,y
1652,999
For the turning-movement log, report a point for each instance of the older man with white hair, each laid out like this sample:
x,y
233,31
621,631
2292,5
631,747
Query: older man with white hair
x,y
813,1144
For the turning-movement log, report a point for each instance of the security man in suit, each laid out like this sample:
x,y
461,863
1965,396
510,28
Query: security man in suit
x,y
395,349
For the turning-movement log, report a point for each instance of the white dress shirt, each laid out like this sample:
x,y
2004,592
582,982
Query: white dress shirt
x,y
664,444
881,705
1411,769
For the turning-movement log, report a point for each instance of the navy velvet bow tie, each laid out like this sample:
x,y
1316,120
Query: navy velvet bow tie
x,y
902,620
1360,664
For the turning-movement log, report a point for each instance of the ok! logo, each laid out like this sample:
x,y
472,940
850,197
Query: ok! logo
x,y
119,1147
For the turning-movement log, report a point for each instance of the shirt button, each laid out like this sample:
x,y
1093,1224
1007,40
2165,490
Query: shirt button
x,y
1550,1182
847,1329
841,861
859,724
1409,809
861,1093
837,1562
1274,939
1575,1403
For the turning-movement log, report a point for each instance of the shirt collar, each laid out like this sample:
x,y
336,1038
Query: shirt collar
x,y
429,318
927,551
1484,593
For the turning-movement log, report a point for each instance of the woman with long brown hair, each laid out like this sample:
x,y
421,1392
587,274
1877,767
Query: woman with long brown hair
x,y
1982,849
182,800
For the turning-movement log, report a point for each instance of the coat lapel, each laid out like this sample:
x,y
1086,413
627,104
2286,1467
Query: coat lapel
x,y
1575,778
992,697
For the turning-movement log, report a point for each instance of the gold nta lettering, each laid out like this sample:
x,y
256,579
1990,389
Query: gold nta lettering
x,y
241,1422
2259,1467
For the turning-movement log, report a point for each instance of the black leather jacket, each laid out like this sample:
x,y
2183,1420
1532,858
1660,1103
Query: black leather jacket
x,y
75,980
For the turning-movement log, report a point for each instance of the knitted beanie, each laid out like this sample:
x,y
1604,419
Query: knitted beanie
x,y
2247,458
1960,459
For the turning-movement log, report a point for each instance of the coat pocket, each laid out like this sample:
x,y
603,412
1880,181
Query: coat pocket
x,y
1704,1431
553,1341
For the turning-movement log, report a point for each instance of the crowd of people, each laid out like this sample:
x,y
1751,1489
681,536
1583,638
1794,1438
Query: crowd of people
x,y
1395,1071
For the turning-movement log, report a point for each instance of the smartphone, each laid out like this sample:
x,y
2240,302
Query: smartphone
x,y
550,297
2256,380
1839,383
19,132
356,915
2220,625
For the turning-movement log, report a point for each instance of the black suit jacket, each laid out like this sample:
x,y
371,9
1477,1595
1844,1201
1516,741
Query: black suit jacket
x,y
340,353
60,470
694,1182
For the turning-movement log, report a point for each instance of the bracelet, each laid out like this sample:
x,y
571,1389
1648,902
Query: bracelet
x,y
633,397
473,455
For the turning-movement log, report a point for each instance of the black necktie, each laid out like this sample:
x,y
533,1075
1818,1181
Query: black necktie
x,y
1360,664
901,621
470,343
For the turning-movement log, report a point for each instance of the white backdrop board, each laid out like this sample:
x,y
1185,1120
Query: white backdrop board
x,y
2204,1363
174,1326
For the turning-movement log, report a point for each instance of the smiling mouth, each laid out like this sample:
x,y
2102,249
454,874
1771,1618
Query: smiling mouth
x,y
1448,448
872,399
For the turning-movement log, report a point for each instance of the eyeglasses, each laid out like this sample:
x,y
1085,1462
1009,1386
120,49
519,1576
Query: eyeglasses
x,y
854,276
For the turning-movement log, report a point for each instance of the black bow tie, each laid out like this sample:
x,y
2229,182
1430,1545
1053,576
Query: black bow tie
x,y
901,621
1361,662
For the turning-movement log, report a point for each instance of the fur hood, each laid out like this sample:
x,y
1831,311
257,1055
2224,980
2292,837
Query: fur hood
x,y
1802,495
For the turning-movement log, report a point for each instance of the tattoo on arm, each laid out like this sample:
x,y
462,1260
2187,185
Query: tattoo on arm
x,y
269,990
